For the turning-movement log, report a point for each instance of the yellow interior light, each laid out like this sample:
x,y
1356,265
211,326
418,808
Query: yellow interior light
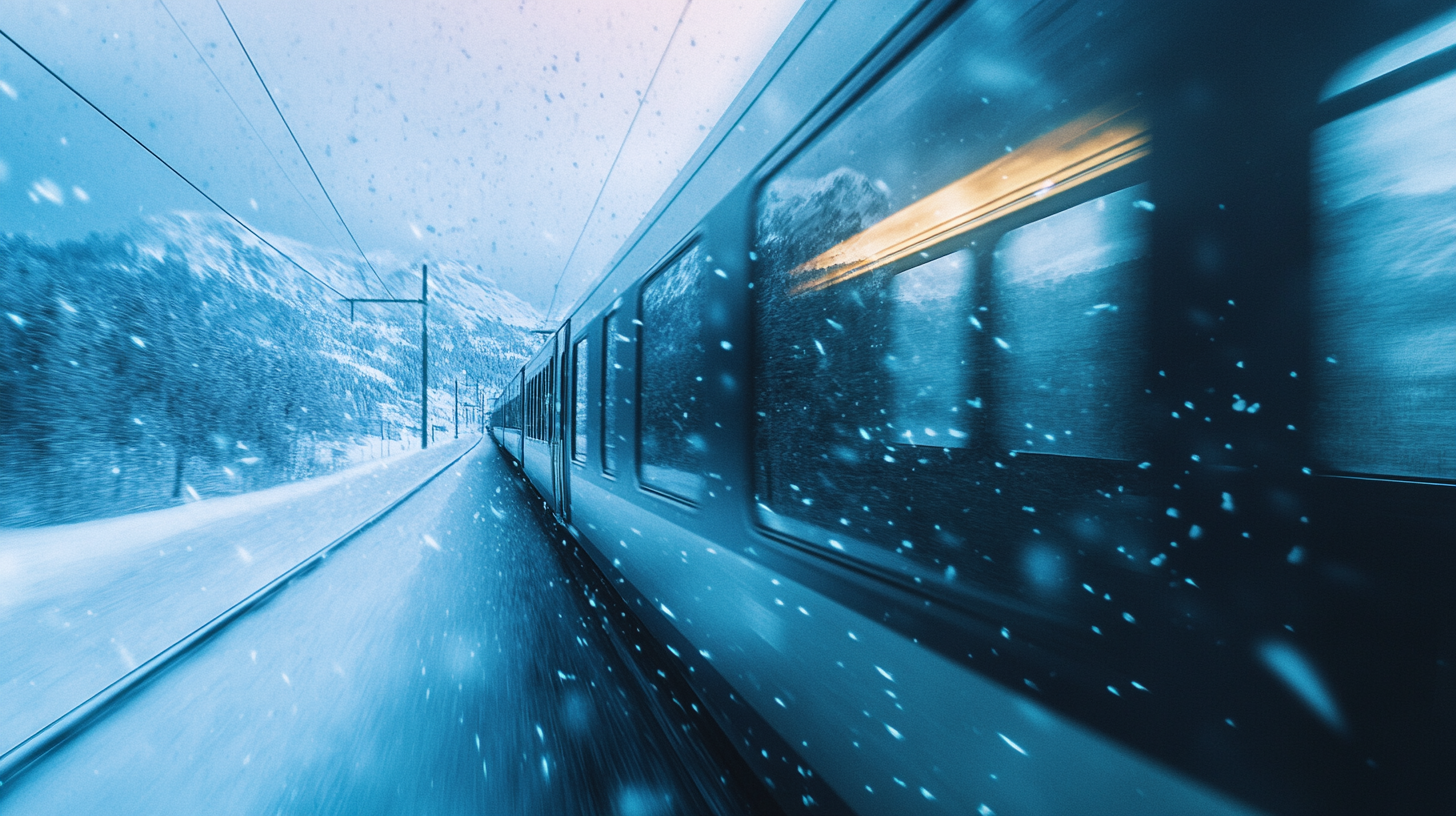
x,y
1073,154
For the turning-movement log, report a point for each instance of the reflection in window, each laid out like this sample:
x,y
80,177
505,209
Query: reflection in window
x,y
1385,285
884,384
672,442
1070,348
1416,44
928,360
615,343
579,409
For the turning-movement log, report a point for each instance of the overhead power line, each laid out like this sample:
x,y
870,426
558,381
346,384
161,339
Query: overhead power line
x,y
244,114
640,104
301,151
166,164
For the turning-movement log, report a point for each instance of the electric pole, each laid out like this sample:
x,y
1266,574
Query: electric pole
x,y
457,407
424,356
424,302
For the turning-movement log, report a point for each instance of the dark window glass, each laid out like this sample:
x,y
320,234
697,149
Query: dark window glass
x,y
1385,286
579,410
672,441
617,345
540,405
523,404
1070,353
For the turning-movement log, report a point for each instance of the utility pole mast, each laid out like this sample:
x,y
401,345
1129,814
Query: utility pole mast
x,y
457,407
424,302
424,356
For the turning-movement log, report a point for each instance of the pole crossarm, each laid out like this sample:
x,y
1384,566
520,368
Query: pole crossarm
x,y
352,301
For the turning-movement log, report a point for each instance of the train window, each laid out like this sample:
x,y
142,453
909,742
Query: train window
x,y
522,404
1385,324
579,409
539,405
550,408
1070,342
615,343
946,276
536,407
672,444
1421,42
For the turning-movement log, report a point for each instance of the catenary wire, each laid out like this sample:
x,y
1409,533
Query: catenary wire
x,y
640,104
166,164
244,114
301,151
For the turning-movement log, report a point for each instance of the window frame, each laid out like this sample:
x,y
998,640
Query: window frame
x,y
818,539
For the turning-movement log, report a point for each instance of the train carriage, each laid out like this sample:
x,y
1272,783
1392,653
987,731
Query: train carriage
x,y
1044,406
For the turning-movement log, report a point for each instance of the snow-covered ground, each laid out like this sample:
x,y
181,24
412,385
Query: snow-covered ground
x,y
82,604
449,660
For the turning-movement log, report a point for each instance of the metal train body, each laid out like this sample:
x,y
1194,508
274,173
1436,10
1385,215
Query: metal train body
x,y
1043,406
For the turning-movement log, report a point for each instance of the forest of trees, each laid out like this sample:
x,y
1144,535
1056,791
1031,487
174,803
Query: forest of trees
x,y
179,359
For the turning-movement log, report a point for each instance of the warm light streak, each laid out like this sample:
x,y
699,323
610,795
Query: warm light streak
x,y
1073,154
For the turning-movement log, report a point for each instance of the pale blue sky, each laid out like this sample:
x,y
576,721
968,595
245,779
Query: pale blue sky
x,y
478,131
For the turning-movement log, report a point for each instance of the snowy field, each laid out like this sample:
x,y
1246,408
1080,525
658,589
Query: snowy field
x,y
448,660
83,604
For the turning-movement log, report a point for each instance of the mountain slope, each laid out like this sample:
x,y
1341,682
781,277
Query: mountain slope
x,y
184,358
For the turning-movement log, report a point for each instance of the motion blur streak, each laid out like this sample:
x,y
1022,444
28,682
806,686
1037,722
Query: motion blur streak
x,y
1084,149
398,678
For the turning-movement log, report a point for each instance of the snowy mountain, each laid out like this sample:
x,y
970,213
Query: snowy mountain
x,y
184,358
213,244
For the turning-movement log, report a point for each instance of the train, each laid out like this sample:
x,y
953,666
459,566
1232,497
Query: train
x,y
1026,406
